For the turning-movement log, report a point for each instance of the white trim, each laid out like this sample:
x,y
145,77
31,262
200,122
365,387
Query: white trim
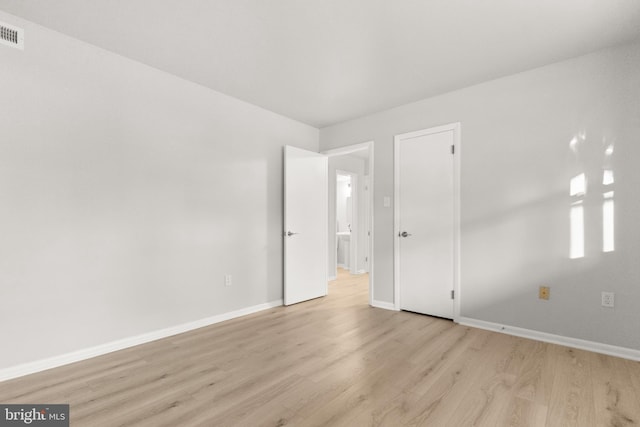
x,y
330,278
383,304
367,222
396,222
87,353
456,128
611,350
371,221
352,149
457,144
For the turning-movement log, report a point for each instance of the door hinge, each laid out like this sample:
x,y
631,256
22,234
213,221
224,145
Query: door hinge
x,y
366,259
453,149
453,293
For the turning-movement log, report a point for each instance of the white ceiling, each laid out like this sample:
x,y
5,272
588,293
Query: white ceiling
x,y
327,61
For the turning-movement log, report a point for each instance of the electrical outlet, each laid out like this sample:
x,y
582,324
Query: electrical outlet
x,y
227,280
544,292
608,299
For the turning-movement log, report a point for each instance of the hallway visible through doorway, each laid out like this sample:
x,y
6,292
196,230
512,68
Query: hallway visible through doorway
x,y
351,287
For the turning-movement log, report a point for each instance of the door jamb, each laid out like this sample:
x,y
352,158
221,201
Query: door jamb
x,y
455,127
348,150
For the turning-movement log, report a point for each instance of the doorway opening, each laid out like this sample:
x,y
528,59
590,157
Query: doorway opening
x,y
347,223
350,228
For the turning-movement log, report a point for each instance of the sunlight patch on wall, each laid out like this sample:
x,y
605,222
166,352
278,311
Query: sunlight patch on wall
x,y
576,249
608,223
577,189
578,185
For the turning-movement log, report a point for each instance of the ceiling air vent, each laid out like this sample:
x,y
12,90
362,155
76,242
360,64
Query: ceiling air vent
x,y
11,36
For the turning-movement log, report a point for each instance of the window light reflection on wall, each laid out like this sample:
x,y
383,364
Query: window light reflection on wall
x,y
577,189
578,185
576,249
608,220
607,223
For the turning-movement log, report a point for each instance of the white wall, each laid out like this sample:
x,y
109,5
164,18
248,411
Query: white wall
x,y
343,191
126,195
516,167
355,165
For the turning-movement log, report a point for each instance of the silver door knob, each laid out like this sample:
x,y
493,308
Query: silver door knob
x,y
404,234
291,233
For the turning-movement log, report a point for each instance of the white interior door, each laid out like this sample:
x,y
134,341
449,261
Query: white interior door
x,y
305,225
425,221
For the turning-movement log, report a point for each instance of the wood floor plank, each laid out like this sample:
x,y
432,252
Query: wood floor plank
x,y
614,395
336,361
524,403
633,371
442,393
572,397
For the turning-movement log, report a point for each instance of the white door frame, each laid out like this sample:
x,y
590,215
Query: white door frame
x,y
455,127
348,150
367,186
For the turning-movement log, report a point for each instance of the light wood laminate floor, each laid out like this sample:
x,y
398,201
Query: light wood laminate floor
x,y
335,361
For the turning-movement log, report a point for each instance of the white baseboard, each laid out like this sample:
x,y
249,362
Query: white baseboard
x,y
383,304
87,353
611,350
330,278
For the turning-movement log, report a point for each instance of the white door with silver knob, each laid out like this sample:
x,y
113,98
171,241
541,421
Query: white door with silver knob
x,y
305,225
425,219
